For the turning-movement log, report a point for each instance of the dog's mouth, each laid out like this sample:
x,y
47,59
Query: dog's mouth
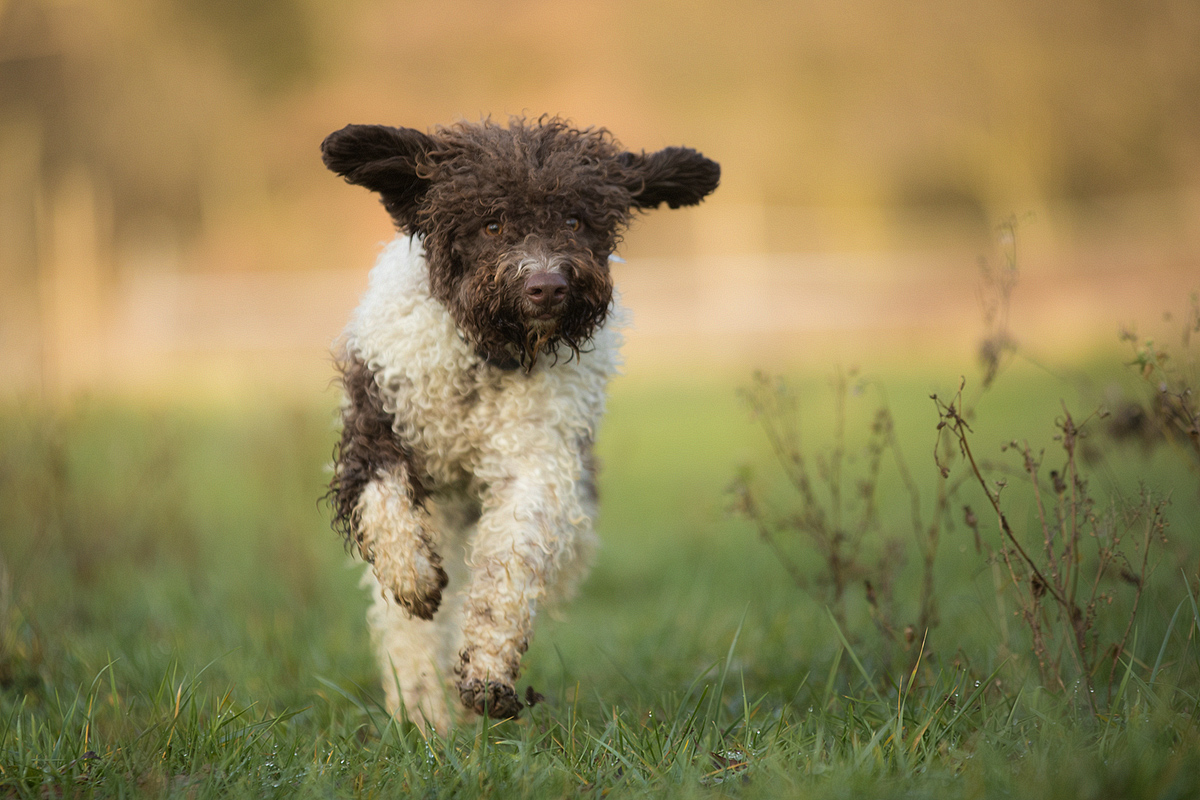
x,y
524,310
543,318
540,336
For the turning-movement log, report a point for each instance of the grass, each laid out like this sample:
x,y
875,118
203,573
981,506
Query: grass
x,y
177,619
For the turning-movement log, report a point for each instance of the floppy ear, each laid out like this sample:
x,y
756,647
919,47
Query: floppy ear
x,y
678,176
383,159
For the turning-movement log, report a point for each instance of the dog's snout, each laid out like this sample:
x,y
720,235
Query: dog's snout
x,y
546,289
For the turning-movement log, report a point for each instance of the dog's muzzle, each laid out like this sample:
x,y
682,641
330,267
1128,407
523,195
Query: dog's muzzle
x,y
546,294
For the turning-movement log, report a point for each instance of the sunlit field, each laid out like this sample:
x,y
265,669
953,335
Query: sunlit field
x,y
944,545
179,620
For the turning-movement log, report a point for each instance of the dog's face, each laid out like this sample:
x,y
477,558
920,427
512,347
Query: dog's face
x,y
518,222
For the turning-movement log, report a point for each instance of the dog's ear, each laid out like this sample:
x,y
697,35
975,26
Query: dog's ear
x,y
383,159
678,176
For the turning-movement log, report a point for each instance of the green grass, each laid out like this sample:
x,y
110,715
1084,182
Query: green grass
x,y
177,619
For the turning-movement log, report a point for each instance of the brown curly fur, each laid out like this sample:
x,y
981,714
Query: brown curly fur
x,y
368,445
530,178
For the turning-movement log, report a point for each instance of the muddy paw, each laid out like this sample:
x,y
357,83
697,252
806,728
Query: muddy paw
x,y
423,604
487,698
414,580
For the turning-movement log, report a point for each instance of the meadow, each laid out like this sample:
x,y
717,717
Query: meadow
x,y
178,620
824,613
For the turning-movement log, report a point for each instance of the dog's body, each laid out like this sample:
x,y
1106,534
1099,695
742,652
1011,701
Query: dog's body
x,y
513,443
475,371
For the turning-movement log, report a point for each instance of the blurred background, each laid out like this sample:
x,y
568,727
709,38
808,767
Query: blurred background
x,y
176,263
166,226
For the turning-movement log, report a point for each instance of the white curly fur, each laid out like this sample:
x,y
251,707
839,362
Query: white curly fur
x,y
511,514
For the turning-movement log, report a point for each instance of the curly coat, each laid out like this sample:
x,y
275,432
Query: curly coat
x,y
475,371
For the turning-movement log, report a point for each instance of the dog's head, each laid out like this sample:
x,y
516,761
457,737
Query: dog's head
x,y
519,221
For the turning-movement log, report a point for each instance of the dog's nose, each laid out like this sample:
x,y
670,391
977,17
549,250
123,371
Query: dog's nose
x,y
546,289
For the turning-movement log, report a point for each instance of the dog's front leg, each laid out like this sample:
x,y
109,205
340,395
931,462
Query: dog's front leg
x,y
397,537
527,530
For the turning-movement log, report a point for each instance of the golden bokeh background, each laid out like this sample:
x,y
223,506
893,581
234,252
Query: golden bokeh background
x,y
166,225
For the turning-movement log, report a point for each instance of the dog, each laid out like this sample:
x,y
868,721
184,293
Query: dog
x,y
475,370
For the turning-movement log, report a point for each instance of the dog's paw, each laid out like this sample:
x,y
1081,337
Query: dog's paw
x,y
423,603
416,586
490,699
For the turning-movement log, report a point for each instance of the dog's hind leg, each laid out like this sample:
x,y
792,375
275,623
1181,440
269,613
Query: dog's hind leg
x,y
416,655
413,656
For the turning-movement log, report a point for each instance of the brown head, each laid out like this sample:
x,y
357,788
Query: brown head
x,y
519,221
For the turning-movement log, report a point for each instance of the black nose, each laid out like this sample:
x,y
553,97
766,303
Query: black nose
x,y
546,289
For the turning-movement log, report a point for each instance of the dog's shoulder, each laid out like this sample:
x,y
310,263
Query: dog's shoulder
x,y
398,326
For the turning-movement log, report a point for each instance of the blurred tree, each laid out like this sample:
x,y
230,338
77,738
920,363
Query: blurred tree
x,y
271,41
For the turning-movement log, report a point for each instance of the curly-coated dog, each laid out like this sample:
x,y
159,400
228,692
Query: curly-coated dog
x,y
475,371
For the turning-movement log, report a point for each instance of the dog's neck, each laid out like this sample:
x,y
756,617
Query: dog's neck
x,y
398,309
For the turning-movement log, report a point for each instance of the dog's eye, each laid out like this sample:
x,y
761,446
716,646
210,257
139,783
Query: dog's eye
x,y
572,223
494,229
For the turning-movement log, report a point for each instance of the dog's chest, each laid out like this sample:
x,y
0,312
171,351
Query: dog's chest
x,y
460,422
459,415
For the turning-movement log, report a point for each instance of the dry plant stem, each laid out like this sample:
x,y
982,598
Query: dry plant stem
x,y
875,448
836,522
750,508
952,419
1081,622
927,616
1154,525
836,537
785,444
1174,378
778,409
1031,468
1065,627
1072,542
839,447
